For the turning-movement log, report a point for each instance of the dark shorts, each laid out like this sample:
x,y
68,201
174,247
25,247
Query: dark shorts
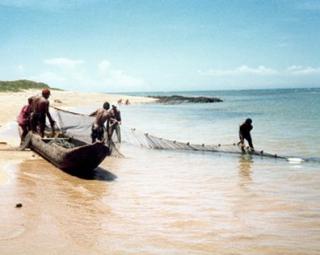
x,y
38,119
248,138
97,133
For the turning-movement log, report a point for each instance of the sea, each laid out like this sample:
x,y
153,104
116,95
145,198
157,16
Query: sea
x,y
285,121
182,202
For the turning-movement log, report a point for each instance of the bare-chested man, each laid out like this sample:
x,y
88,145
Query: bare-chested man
x,y
102,115
40,109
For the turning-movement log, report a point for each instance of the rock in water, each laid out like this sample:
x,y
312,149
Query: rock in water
x,y
176,99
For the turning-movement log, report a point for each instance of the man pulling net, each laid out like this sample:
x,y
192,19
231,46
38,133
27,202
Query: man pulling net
x,y
244,134
102,115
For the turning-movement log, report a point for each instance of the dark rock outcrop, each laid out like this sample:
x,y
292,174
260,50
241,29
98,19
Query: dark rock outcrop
x,y
176,99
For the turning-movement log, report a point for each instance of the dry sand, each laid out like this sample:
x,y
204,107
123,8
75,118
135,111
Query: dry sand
x,y
12,102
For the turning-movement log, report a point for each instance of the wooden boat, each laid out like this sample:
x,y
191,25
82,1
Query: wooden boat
x,y
81,157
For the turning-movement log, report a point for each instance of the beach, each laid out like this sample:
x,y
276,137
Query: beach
x,y
170,202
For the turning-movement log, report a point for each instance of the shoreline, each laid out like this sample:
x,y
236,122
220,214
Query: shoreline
x,y
12,102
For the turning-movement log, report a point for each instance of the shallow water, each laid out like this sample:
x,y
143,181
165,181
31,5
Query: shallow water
x,y
156,202
284,121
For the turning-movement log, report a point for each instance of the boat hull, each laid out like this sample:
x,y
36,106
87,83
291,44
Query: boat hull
x,y
82,158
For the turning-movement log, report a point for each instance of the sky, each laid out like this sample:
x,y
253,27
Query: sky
x,y
161,45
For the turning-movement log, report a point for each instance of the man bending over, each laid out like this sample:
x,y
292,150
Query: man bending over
x,y
244,134
102,115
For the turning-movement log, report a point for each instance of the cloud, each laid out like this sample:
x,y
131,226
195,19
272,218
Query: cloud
x,y
241,70
65,63
262,71
116,77
300,70
73,74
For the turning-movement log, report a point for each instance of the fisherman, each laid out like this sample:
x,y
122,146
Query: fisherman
x,y
24,120
40,109
101,116
114,123
244,134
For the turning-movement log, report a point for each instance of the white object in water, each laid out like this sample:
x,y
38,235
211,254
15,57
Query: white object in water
x,y
295,160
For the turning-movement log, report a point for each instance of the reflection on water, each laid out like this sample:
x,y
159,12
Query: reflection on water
x,y
99,174
245,169
163,203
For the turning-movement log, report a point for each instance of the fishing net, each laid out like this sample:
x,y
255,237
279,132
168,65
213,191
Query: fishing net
x,y
78,125
145,140
73,124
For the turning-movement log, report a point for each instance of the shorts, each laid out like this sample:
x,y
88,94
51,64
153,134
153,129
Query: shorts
x,y
97,133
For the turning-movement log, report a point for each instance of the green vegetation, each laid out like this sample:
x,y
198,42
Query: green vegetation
x,y
19,85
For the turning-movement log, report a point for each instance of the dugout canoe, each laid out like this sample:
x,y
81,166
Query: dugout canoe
x,y
82,157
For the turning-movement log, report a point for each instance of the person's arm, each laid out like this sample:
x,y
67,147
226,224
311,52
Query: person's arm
x,y
119,118
93,114
51,120
112,121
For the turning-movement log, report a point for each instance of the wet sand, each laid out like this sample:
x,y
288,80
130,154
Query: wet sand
x,y
155,202
158,202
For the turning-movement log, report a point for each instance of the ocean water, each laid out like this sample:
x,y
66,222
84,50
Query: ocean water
x,y
285,121
170,202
